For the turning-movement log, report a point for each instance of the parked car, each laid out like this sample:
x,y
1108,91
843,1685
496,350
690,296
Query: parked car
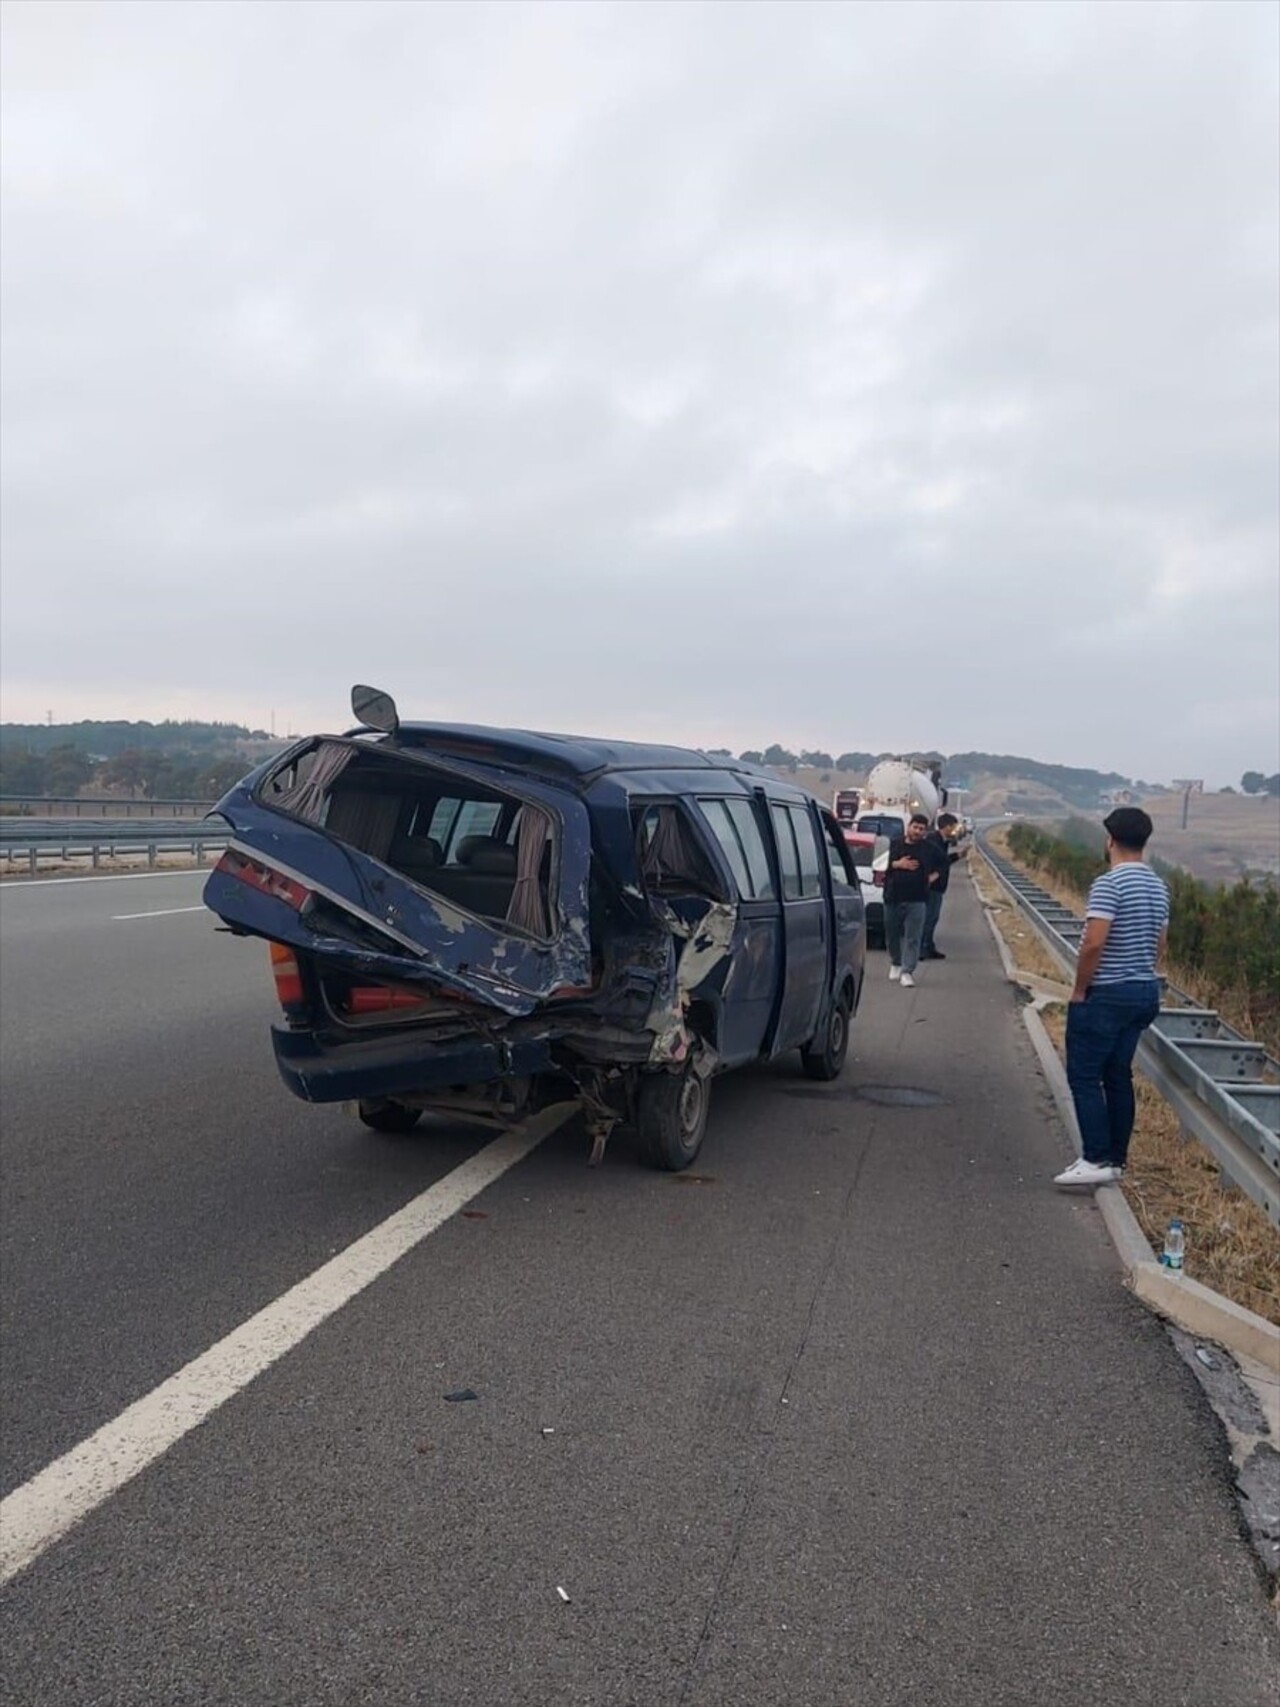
x,y
863,846
478,920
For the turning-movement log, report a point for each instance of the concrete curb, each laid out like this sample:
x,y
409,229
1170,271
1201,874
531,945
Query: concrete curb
x,y
1192,1306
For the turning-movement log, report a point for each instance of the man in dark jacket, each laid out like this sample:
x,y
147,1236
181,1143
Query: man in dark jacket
x,y
940,838
911,872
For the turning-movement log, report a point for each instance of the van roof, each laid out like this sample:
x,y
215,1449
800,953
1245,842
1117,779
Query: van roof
x,y
578,756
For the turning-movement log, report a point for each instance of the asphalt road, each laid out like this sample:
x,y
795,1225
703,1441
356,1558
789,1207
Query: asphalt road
x,y
858,1413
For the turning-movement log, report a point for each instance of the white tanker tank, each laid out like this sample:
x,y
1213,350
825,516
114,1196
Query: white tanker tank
x,y
899,788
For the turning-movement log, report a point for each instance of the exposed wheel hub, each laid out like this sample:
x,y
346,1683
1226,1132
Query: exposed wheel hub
x,y
690,1104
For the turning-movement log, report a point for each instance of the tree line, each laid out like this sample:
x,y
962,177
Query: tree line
x,y
104,738
190,759
66,770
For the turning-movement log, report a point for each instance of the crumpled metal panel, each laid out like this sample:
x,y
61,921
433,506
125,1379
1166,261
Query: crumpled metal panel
x,y
426,939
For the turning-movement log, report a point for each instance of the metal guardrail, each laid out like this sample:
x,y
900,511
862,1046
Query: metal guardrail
x,y
99,806
33,844
1224,1088
26,832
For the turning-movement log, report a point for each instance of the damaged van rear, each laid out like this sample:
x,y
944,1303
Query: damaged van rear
x,y
482,921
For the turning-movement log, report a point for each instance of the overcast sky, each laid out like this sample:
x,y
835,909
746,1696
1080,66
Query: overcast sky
x,y
850,375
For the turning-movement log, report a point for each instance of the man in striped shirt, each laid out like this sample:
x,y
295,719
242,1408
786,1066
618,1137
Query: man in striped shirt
x,y
1116,997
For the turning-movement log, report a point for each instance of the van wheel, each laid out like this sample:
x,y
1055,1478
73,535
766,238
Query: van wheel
x,y
824,1057
671,1117
389,1116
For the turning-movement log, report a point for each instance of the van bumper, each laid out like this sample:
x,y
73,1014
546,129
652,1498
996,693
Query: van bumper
x,y
318,1068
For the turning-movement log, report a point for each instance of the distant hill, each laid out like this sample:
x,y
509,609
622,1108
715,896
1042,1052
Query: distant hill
x,y
1076,786
993,783
983,797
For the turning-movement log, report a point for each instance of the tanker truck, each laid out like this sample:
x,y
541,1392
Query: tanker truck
x,y
895,790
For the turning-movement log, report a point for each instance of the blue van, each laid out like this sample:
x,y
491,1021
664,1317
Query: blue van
x,y
480,921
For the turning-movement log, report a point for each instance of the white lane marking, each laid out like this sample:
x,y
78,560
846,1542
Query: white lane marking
x,y
160,913
37,1514
11,885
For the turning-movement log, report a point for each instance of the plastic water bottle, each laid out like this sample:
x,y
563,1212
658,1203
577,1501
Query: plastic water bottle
x,y
1174,1244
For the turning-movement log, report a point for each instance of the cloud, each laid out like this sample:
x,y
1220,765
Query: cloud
x,y
859,376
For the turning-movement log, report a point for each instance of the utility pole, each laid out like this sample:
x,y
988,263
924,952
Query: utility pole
x,y
1189,786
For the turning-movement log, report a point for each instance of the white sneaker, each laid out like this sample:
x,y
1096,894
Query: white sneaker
x,y
1082,1173
908,982
895,972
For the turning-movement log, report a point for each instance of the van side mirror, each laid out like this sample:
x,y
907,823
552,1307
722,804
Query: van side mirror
x,y
375,709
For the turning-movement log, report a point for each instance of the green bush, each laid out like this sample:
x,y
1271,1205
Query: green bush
x,y
1227,938
1070,864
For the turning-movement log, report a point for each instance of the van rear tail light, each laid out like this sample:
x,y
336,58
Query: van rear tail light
x,y
284,969
265,879
877,877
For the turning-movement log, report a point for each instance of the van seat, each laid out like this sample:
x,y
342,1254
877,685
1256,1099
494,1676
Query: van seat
x,y
483,879
418,857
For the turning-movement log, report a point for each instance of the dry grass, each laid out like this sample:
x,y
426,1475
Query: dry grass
x,y
1228,836
1029,953
1231,1245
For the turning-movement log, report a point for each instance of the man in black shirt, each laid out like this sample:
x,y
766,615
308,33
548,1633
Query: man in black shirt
x,y
912,871
940,839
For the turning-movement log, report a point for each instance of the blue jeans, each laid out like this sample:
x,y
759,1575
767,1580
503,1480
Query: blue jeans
x,y
903,925
1102,1037
932,910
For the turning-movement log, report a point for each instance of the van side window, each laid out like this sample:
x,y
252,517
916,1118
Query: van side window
x,y
747,825
734,826
454,820
670,860
721,827
439,826
843,874
788,858
807,843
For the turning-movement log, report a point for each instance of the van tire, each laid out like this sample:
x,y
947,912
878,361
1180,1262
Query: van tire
x,y
824,1057
671,1117
385,1116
